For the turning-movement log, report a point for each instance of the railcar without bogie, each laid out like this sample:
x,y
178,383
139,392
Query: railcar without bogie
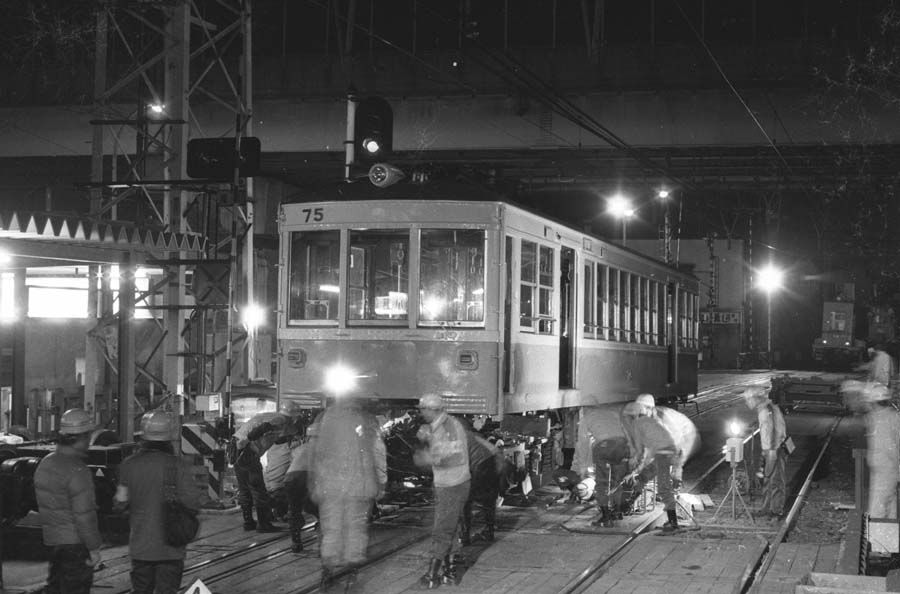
x,y
499,310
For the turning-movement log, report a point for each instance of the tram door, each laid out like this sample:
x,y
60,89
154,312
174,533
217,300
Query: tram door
x,y
567,290
507,316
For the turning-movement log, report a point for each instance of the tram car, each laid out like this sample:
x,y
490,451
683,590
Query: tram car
x,y
499,310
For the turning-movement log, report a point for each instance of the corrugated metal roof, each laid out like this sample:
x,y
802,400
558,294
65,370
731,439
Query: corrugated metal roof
x,y
89,233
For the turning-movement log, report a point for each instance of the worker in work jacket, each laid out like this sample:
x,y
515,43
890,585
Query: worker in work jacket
x,y
655,442
772,436
64,488
254,438
447,452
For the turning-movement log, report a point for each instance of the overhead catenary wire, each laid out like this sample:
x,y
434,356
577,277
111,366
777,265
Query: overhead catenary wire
x,y
737,93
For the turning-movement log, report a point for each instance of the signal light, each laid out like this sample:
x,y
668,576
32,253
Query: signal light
x,y
383,175
373,129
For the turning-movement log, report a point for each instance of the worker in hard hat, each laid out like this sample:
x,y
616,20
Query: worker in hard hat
x,y
447,452
772,436
654,442
64,488
144,478
253,439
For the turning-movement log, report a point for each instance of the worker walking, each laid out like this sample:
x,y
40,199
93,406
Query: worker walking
x,y
156,566
446,451
772,436
349,475
654,442
64,488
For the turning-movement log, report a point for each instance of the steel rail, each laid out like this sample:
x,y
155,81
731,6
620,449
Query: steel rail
x,y
751,581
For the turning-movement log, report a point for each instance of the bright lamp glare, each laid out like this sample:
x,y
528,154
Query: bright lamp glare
x,y
663,194
770,278
735,428
5,258
340,380
253,315
620,207
157,108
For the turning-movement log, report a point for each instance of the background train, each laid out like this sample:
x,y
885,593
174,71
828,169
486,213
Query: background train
x,y
509,315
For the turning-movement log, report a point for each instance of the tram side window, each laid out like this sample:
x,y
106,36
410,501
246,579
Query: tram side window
x,y
645,310
613,300
587,302
378,275
603,326
451,275
536,288
624,306
314,275
653,320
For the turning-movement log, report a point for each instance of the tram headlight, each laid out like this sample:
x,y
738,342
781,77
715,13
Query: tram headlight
x,y
340,380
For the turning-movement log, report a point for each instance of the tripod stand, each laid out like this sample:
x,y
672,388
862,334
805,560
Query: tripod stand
x,y
734,492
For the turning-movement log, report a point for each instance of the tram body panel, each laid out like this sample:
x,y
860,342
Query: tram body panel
x,y
464,372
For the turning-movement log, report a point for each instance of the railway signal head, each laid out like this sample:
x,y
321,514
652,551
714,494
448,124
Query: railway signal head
x,y
373,130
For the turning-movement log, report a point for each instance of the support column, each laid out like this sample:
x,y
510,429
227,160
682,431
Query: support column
x,y
126,368
20,311
91,354
176,101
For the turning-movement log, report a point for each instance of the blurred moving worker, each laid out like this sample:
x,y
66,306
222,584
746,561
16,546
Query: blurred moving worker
x,y
880,367
882,447
655,443
349,468
610,456
296,485
64,488
254,438
487,468
772,435
156,566
447,451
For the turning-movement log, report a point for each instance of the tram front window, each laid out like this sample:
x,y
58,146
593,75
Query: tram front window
x,y
378,275
315,257
451,275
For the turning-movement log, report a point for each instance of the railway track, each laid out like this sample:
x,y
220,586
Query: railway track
x,y
752,577
220,566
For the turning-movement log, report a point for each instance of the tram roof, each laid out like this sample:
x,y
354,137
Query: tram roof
x,y
447,189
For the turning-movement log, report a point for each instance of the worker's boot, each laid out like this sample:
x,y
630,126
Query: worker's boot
x,y
672,524
604,519
432,577
465,529
487,533
264,520
327,579
450,576
296,526
249,523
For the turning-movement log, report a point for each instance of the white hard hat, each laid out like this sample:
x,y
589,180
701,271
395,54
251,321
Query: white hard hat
x,y
431,401
645,400
158,425
76,421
